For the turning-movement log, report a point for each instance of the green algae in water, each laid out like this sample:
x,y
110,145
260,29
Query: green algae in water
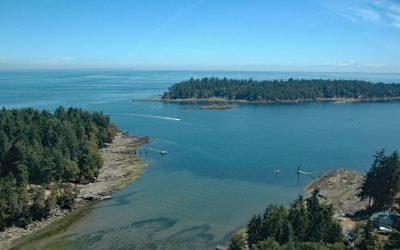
x,y
83,242
39,239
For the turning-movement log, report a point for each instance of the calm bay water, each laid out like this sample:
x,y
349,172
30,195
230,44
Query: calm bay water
x,y
220,166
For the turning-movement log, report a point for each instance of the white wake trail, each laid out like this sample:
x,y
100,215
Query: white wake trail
x,y
149,116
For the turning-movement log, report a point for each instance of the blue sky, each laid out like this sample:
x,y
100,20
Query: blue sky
x,y
307,35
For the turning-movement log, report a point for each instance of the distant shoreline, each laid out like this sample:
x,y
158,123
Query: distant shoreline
x,y
120,167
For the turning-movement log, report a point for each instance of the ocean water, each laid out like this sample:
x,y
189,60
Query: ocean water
x,y
219,170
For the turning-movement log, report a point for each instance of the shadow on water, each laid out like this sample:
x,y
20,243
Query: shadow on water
x,y
189,238
53,229
145,234
117,201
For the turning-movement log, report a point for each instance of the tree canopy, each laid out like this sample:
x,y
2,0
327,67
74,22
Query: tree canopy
x,y
382,181
307,222
279,90
41,148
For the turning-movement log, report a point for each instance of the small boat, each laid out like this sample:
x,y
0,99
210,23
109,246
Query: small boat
x,y
163,152
302,172
276,171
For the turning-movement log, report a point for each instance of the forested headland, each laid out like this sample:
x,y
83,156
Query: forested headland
x,y
41,153
279,90
312,223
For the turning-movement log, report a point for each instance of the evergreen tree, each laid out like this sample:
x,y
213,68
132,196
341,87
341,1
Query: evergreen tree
x,y
254,229
322,226
382,181
298,217
354,236
370,241
43,148
307,220
269,244
238,242
286,234
393,241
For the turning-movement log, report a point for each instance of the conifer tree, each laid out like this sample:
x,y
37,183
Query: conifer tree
x,y
370,241
382,181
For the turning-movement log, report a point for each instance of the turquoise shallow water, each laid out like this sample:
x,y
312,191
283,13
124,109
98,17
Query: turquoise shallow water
x,y
219,170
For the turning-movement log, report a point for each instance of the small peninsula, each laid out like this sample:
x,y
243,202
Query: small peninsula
x,y
53,163
220,90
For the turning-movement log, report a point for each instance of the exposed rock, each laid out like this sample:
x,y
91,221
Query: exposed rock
x,y
219,106
340,188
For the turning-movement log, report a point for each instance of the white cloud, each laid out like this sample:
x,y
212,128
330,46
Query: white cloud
x,y
377,12
347,16
376,65
388,5
366,14
55,60
395,19
68,58
347,63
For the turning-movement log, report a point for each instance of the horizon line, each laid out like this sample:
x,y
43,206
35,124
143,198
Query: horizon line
x,y
190,70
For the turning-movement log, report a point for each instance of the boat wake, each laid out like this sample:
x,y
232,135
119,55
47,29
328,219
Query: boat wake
x,y
149,116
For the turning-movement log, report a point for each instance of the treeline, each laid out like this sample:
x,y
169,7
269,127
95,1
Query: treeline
x,y
42,151
279,90
306,224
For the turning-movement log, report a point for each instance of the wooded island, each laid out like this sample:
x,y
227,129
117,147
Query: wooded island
x,y
291,90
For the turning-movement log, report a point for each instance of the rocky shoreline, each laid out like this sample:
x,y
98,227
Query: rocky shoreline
x,y
120,167
218,107
333,100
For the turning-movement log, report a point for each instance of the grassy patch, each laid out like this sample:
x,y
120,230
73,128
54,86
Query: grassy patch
x,y
135,171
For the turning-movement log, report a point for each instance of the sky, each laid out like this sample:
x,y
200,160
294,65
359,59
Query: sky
x,y
306,35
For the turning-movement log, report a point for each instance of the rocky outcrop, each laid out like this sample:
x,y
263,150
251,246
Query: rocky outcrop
x,y
340,188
